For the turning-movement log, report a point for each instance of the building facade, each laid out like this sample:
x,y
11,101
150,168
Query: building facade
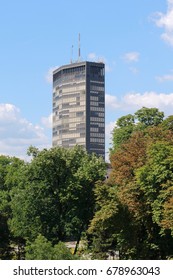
x,y
79,106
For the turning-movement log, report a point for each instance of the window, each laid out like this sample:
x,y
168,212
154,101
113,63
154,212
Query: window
x,y
94,103
79,114
94,129
94,98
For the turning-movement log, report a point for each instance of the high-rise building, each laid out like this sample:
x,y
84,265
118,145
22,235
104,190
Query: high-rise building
x,y
79,106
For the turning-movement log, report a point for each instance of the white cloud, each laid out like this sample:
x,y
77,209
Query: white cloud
x,y
49,74
47,121
131,56
8,112
109,128
17,133
166,21
149,99
133,101
95,58
92,56
111,101
108,131
165,78
108,68
134,70
108,137
130,103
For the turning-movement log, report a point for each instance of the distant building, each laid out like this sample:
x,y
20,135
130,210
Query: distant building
x,y
79,106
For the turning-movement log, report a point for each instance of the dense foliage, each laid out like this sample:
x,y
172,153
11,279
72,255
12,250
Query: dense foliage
x,y
135,216
42,249
62,195
51,196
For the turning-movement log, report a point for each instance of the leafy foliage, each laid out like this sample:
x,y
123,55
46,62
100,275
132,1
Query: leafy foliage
x,y
7,164
42,249
126,125
149,116
56,195
62,194
135,217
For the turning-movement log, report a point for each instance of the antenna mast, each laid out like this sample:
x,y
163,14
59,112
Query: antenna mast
x,y
71,54
79,49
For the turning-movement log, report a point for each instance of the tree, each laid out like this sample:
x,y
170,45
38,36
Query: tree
x,y
168,123
136,216
61,252
4,238
100,227
167,211
114,224
149,116
8,165
155,180
42,249
122,131
56,194
126,125
32,151
125,121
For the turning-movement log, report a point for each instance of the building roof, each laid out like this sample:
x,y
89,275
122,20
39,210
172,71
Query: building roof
x,y
76,64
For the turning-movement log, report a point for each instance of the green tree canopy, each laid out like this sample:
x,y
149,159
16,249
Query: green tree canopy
x,y
141,119
42,249
125,121
135,217
8,165
168,123
56,194
149,116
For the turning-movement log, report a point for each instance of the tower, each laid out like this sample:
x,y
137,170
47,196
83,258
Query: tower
x,y
79,106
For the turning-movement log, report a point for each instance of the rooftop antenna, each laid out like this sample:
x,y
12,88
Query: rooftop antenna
x,y
71,54
79,49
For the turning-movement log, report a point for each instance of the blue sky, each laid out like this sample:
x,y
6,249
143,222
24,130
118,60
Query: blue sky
x,y
134,38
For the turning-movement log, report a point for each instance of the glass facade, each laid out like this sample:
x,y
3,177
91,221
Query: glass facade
x,y
79,106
